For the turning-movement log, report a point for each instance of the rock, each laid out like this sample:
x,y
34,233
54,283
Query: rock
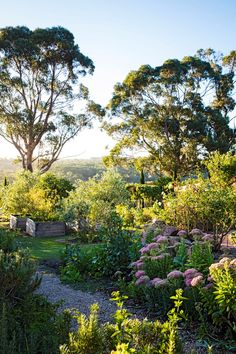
x,y
196,234
170,231
182,234
173,240
171,250
187,242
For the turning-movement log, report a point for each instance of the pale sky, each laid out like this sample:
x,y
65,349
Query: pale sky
x,y
121,35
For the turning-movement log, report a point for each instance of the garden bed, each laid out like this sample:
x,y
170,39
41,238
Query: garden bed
x,y
46,228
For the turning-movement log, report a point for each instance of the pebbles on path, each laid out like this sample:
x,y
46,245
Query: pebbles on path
x,y
55,291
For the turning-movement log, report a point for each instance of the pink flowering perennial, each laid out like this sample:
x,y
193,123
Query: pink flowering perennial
x,y
144,279
175,274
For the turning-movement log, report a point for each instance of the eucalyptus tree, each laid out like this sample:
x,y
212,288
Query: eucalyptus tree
x,y
39,84
177,112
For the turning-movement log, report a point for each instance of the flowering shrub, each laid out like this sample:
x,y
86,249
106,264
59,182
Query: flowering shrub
x,y
221,305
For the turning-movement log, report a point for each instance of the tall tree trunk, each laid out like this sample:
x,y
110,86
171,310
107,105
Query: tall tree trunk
x,y
29,163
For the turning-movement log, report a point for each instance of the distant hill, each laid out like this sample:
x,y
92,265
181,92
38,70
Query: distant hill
x,y
72,169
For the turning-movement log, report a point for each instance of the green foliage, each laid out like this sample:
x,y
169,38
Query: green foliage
x,y
201,257
16,196
83,206
144,194
80,263
7,241
126,335
28,322
55,187
164,111
221,168
39,70
200,203
88,338
181,256
34,195
159,268
121,248
221,303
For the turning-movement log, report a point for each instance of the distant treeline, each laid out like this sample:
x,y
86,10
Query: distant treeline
x,y
72,169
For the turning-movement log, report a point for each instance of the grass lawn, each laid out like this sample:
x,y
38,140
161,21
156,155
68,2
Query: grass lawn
x,y
43,248
47,248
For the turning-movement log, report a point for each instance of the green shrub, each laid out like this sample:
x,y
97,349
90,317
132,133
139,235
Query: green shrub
x,y
88,338
131,335
121,248
38,196
199,203
28,322
93,203
220,299
201,257
158,268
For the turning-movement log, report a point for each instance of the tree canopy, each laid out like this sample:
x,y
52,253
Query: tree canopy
x,y
39,84
177,112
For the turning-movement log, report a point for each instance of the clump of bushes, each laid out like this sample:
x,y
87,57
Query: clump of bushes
x,y
206,203
126,335
102,260
35,195
92,204
28,322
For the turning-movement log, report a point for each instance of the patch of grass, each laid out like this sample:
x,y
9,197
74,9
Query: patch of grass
x,y
45,248
42,248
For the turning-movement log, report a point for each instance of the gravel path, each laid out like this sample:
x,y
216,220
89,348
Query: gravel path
x,y
55,291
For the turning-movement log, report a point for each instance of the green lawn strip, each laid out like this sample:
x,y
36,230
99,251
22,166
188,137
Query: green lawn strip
x,y
45,248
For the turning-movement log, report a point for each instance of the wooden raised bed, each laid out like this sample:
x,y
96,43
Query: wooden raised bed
x,y
45,228
18,222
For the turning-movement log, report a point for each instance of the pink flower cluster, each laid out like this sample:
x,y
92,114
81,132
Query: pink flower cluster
x,y
161,239
175,274
158,282
192,277
208,237
144,279
140,273
138,264
222,264
182,233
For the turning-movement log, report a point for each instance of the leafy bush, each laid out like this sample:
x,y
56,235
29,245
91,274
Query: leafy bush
x,y
221,168
204,203
121,248
126,335
84,205
220,300
201,257
88,339
199,203
28,322
38,196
